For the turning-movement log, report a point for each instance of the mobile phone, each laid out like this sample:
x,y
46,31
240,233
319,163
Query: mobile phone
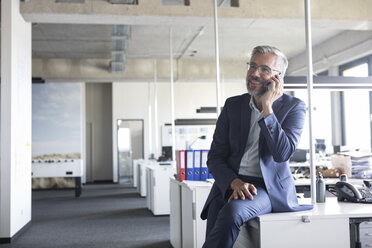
x,y
267,87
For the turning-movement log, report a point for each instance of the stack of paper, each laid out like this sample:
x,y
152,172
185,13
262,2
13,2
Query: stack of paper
x,y
361,164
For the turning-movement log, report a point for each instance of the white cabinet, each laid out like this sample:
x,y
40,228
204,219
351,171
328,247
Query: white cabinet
x,y
142,178
175,218
142,188
319,232
135,165
157,197
187,229
327,225
193,196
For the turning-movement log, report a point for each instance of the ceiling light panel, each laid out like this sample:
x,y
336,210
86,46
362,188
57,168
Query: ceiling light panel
x,y
134,2
70,1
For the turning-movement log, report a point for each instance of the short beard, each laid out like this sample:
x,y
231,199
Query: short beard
x,y
253,92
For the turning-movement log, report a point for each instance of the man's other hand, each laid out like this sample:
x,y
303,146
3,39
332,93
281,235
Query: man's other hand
x,y
241,190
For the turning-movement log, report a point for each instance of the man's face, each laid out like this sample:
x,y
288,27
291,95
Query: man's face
x,y
256,82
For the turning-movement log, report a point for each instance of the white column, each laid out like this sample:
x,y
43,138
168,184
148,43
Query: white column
x,y
309,94
156,122
172,95
150,127
15,168
216,46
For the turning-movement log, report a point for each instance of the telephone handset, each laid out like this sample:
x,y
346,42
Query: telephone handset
x,y
347,191
267,86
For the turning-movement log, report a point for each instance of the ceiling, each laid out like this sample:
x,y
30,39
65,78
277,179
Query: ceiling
x,y
189,41
55,35
94,41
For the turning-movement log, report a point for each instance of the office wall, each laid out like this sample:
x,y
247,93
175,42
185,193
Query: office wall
x,y
99,122
132,100
15,168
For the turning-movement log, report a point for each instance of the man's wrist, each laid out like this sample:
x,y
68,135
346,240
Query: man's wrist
x,y
267,111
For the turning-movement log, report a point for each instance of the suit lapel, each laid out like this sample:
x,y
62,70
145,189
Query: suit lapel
x,y
245,121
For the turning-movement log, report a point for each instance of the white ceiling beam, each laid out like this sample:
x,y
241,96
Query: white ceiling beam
x,y
339,14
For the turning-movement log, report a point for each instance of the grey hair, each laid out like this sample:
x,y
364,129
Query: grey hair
x,y
282,61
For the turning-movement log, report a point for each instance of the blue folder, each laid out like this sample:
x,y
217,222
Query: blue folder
x,y
204,168
197,164
189,165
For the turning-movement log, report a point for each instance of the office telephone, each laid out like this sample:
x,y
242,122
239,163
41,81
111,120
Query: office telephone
x,y
347,191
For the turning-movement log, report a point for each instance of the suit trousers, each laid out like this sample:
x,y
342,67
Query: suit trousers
x,y
225,219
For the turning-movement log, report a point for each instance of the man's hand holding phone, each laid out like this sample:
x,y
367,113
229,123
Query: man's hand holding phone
x,y
274,91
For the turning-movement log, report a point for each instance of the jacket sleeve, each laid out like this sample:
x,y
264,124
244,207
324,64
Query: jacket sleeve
x,y
282,139
219,153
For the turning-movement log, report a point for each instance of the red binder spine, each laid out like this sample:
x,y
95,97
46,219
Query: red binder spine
x,y
181,168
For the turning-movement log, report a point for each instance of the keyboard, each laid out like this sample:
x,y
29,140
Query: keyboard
x,y
365,192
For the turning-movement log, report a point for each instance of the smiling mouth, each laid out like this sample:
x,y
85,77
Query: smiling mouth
x,y
255,83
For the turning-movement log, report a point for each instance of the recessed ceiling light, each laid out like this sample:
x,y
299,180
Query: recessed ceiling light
x,y
70,1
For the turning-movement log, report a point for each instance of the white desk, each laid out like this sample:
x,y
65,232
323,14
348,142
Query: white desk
x,y
327,181
327,225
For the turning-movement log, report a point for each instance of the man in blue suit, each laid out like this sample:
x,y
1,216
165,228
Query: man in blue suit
x,y
256,134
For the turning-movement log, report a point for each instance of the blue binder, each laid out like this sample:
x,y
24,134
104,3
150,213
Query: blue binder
x,y
197,164
204,168
189,165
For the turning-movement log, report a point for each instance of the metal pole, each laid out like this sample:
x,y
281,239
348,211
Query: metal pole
x,y
156,110
217,58
172,95
150,120
309,96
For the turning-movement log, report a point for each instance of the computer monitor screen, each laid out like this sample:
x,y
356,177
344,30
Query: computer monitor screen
x,y
167,152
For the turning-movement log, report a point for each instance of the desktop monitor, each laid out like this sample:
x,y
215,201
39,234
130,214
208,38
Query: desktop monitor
x,y
167,152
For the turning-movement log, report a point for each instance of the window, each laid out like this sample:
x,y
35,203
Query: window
x,y
357,111
321,118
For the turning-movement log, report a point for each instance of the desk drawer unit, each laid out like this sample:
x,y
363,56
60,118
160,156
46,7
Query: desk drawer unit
x,y
306,232
315,232
365,234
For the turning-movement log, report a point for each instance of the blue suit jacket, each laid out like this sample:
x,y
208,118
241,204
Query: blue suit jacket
x,y
279,136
